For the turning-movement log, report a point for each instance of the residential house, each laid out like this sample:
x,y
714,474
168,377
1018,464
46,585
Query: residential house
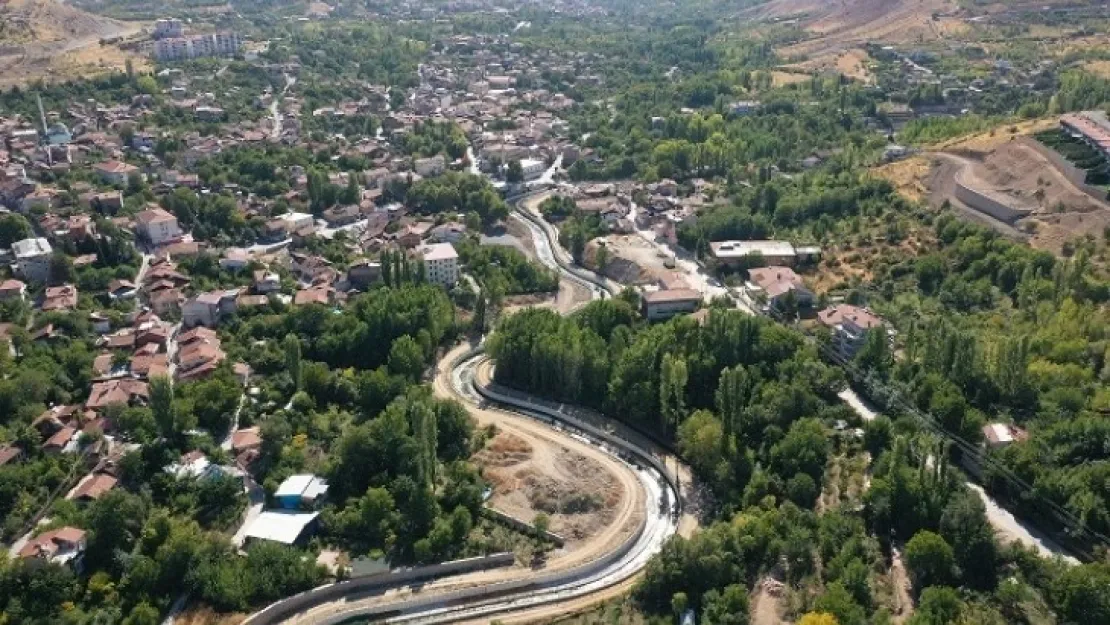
x,y
301,492
339,216
245,444
431,166
208,309
62,297
61,441
754,253
287,527
318,294
999,435
148,365
92,487
266,282
118,391
235,259
850,326
158,226
199,359
64,546
122,289
100,323
363,272
774,285
115,172
13,290
194,465
450,232
166,302
10,454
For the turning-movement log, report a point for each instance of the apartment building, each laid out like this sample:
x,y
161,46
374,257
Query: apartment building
x,y
441,264
197,46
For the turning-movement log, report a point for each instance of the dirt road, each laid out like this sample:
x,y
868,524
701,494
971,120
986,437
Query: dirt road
x,y
942,187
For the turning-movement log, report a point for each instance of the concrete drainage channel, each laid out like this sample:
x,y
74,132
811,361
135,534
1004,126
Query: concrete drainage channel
x,y
657,525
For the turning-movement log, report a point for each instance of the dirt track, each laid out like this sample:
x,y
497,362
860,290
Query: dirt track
x,y
942,187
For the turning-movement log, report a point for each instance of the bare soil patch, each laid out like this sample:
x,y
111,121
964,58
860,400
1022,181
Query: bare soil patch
x,y
576,492
632,260
844,24
983,143
208,616
56,42
1061,212
781,78
1098,68
908,176
766,603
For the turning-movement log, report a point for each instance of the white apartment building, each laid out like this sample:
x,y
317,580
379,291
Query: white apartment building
x,y
32,259
196,46
158,226
441,264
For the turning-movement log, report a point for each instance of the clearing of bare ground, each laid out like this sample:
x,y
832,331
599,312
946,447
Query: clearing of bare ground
x,y
845,24
576,493
53,41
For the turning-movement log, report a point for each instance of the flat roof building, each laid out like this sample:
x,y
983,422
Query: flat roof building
x,y
287,527
773,252
666,303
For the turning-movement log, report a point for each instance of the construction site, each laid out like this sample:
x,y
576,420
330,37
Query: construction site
x,y
1011,181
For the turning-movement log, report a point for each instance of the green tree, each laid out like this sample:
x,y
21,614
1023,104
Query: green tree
x,y
938,605
291,345
1081,594
726,607
514,172
406,358
964,525
679,603
61,269
142,614
162,407
840,603
929,559
804,449
541,523
13,227
672,390
732,399
875,355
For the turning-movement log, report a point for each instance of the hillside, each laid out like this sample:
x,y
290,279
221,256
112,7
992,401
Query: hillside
x,y
47,21
50,40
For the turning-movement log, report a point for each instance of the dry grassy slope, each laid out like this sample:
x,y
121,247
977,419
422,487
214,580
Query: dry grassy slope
x,y
842,24
44,21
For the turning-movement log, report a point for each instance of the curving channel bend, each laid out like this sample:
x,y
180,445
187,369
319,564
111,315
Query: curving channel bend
x,y
659,523
662,505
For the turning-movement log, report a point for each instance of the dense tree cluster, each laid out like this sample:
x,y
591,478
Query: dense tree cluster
x,y
432,138
505,270
457,192
1026,343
